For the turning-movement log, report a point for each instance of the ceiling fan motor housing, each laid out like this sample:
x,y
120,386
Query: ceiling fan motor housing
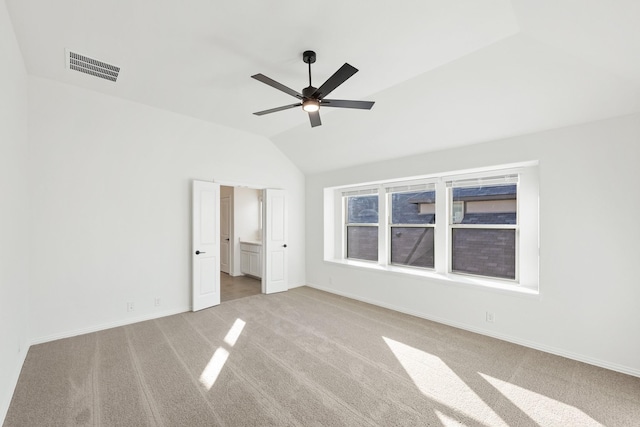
x,y
309,57
308,91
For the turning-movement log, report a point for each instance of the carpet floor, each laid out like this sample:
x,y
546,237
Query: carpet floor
x,y
309,358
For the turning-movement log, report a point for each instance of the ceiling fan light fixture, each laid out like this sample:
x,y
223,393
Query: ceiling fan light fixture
x,y
311,105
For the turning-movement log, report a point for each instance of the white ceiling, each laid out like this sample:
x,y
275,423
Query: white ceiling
x,y
442,73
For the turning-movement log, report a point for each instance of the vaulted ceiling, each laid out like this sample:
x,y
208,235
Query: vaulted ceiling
x,y
442,73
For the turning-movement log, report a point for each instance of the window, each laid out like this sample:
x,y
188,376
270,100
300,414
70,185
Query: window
x,y
411,226
362,227
477,227
483,226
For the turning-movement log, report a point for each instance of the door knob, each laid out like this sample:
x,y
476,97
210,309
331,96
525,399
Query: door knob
x,y
284,246
226,240
199,252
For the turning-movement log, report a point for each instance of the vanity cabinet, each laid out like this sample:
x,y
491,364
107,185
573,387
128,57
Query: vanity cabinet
x,y
251,258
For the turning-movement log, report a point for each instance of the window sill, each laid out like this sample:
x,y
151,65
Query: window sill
x,y
445,278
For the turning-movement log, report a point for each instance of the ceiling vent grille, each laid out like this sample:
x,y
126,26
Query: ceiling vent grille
x,y
91,66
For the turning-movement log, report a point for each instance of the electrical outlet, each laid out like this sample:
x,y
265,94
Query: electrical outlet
x,y
130,306
156,302
490,317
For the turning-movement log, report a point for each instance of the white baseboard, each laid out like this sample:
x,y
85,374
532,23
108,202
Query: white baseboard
x,y
109,325
114,324
534,345
13,381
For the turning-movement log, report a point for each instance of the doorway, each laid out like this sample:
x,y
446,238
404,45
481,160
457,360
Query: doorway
x,y
240,242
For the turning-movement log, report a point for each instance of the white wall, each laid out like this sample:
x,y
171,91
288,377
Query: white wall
x,y
247,213
14,212
111,185
589,233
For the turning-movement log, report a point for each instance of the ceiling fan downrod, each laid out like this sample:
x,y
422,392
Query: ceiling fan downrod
x,y
309,57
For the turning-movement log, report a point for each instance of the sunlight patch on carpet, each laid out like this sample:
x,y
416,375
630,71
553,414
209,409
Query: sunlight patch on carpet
x,y
542,409
234,332
438,382
214,367
447,420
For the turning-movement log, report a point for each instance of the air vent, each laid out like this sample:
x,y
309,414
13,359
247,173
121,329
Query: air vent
x,y
91,66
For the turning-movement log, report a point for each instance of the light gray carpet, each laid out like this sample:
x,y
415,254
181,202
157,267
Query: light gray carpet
x,y
309,358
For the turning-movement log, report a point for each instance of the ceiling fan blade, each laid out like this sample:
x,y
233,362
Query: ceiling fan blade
x,y
273,110
315,119
266,80
334,81
343,103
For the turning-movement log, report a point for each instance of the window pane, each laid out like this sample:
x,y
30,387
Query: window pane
x,y
484,205
362,209
362,243
412,246
413,208
485,252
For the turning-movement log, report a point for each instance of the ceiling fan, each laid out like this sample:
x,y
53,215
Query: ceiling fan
x,y
311,98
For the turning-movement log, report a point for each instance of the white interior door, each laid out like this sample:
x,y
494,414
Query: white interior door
x,y
206,245
225,232
275,266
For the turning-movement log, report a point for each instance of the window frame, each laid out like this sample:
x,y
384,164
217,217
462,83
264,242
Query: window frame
x,y
345,243
390,226
451,226
526,280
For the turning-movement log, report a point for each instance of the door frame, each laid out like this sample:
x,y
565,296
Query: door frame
x,y
230,245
